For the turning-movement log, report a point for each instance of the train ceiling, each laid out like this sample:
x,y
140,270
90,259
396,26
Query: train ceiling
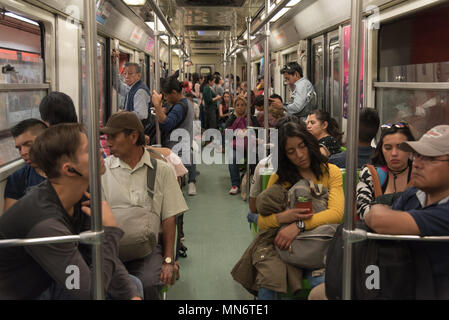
x,y
207,25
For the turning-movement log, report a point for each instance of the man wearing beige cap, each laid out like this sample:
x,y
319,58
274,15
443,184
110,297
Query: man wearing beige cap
x,y
127,189
424,208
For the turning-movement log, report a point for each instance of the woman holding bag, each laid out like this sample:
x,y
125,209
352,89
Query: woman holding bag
x,y
300,158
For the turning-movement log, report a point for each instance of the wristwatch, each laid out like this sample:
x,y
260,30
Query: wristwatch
x,y
301,225
168,260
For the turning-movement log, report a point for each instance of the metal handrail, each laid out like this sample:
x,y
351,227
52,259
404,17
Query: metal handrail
x,y
88,237
358,235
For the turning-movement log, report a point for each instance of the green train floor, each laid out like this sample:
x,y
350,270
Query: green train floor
x,y
216,235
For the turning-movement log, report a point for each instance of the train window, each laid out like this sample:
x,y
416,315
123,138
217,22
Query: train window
x,y
292,57
101,80
422,109
205,71
123,59
334,79
412,49
413,70
21,78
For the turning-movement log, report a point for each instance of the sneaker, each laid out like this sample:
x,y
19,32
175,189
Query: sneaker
x,y
192,189
234,190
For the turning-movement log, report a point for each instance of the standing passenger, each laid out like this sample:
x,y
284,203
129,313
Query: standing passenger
x,y
136,93
303,96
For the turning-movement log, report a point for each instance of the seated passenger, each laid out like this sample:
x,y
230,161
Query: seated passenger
x,y
274,114
368,126
20,182
262,165
54,208
124,186
300,158
325,129
238,122
57,107
392,167
423,209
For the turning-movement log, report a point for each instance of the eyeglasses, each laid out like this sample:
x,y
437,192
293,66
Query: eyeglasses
x,y
398,125
425,159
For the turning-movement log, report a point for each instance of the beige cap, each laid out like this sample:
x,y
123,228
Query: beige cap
x,y
433,143
121,121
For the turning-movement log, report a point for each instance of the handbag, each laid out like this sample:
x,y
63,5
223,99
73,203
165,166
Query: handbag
x,y
140,224
309,248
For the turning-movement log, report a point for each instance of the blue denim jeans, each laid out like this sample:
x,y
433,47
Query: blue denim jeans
x,y
267,294
234,170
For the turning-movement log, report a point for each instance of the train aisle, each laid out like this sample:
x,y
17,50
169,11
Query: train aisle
x,y
216,235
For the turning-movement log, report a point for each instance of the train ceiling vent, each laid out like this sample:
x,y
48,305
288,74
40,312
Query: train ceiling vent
x,y
210,3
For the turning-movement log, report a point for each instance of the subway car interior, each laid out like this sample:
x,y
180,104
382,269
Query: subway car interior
x,y
388,56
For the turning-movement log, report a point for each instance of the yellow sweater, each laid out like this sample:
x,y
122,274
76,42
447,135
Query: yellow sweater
x,y
333,181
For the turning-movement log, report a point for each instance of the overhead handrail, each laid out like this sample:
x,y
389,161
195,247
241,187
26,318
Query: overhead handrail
x,y
269,16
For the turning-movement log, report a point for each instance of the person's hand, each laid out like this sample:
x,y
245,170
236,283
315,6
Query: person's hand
x,y
292,215
107,216
136,298
276,103
115,55
285,236
167,273
157,99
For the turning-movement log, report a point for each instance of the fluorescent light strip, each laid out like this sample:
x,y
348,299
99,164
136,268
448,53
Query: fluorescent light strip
x,y
15,16
135,2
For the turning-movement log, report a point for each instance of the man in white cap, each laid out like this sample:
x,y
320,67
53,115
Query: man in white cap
x,y
424,208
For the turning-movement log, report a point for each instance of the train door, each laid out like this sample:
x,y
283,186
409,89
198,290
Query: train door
x,y
204,70
317,70
333,88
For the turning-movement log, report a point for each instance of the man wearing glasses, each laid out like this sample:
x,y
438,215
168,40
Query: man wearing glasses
x,y
136,93
303,96
424,208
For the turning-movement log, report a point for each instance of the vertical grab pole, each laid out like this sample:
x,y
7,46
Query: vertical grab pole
x,y
169,56
90,29
157,66
248,98
266,68
351,155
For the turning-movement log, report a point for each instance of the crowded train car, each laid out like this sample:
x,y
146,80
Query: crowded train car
x,y
224,149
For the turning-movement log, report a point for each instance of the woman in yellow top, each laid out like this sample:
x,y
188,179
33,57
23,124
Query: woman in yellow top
x,y
300,158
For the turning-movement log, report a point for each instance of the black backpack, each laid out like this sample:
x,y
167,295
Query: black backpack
x,y
149,125
381,270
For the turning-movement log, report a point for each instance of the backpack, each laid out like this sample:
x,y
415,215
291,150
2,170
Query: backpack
x,y
381,269
150,126
311,104
379,177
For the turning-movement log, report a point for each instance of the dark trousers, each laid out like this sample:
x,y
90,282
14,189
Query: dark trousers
x,y
148,270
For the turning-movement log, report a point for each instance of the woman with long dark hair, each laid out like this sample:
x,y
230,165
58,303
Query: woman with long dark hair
x,y
300,158
392,166
326,130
